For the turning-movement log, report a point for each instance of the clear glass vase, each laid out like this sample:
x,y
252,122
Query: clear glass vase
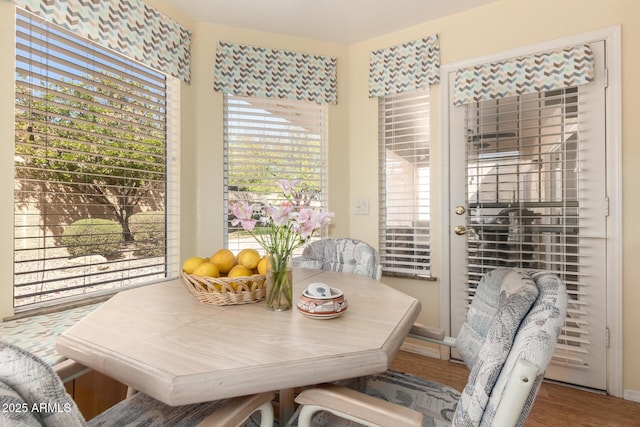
x,y
279,283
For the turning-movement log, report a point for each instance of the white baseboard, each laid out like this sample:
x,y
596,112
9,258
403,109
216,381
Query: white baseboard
x,y
420,349
632,395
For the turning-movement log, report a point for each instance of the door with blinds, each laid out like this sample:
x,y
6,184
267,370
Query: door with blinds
x,y
528,190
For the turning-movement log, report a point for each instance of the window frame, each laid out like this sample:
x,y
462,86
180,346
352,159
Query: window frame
x,y
74,53
310,141
404,132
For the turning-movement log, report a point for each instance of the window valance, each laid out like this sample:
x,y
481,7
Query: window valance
x,y
129,27
254,71
404,67
541,72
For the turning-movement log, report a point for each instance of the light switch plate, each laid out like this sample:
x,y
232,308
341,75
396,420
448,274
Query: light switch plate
x,y
361,207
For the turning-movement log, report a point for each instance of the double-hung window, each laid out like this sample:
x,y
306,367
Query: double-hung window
x,y
405,184
95,182
268,139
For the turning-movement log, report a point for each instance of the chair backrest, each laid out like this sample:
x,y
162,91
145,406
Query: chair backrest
x,y
494,290
522,320
535,341
342,254
34,391
503,298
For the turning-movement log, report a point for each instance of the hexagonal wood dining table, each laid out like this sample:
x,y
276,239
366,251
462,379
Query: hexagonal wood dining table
x,y
160,340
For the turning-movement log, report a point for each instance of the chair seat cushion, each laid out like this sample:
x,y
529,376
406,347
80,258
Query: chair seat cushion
x,y
437,402
141,410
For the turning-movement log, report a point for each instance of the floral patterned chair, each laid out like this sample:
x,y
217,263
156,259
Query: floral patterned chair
x,y
31,394
342,254
507,342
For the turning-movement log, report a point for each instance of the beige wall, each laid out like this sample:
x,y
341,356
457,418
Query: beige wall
x,y
506,24
7,70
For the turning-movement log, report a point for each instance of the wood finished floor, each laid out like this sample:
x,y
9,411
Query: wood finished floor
x,y
555,405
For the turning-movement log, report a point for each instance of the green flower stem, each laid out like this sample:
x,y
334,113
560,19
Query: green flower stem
x,y
279,288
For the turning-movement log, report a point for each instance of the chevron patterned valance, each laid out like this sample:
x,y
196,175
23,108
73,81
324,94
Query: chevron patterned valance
x,y
542,72
130,27
405,67
254,71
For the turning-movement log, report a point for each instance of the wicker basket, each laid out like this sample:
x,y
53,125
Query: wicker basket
x,y
219,291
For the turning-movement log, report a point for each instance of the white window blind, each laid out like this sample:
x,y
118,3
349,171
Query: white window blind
x,y
405,184
267,139
526,199
91,146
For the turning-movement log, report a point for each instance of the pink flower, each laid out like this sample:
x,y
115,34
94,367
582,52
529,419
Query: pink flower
x,y
323,218
310,220
287,185
243,213
280,215
304,225
286,227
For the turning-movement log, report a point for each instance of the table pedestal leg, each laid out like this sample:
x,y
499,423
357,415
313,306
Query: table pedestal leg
x,y
286,405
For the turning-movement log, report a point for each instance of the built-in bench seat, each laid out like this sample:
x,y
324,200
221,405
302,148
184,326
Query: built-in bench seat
x,y
37,334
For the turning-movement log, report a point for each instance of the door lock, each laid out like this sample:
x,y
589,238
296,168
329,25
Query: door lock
x,y
460,230
460,210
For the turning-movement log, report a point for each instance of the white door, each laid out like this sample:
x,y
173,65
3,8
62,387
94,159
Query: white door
x,y
527,189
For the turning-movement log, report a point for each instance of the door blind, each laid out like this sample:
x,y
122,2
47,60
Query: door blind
x,y
526,201
265,140
91,156
405,184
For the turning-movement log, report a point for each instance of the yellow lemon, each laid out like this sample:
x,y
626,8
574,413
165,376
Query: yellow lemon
x,y
206,269
248,258
190,264
240,271
262,265
224,259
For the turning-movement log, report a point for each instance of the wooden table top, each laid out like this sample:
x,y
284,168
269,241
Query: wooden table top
x,y
161,340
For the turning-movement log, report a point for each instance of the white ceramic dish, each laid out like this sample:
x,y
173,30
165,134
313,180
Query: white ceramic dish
x,y
322,316
327,307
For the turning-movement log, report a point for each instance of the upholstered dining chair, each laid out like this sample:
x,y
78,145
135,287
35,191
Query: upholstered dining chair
x,y
507,342
34,395
342,254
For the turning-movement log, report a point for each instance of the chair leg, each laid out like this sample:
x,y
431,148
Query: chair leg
x,y
306,413
239,409
266,414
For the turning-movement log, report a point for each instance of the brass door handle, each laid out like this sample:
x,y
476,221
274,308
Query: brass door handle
x,y
461,230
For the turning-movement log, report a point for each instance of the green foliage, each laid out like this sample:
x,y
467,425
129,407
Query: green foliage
x,y
147,229
104,140
93,236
